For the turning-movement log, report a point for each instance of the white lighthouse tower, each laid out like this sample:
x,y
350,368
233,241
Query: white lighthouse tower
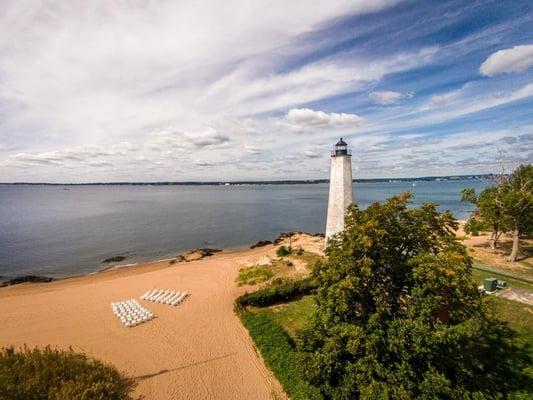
x,y
340,188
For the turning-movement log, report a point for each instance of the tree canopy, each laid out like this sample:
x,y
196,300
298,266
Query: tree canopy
x,y
399,316
488,215
516,199
506,206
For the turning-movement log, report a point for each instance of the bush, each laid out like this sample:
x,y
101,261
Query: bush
x,y
284,291
60,375
253,275
283,251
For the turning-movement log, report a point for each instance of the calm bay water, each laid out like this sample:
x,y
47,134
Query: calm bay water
x,y
61,231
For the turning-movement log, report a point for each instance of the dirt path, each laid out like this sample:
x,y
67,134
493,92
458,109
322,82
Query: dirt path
x,y
197,350
520,295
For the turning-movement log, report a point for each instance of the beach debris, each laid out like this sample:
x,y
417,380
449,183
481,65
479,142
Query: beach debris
x,y
27,278
261,243
168,297
131,313
114,259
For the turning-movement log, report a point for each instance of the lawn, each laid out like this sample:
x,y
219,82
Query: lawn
x,y
292,316
520,318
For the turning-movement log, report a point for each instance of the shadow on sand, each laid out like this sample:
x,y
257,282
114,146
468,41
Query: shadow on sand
x,y
164,371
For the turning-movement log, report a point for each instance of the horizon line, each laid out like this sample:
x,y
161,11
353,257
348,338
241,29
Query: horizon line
x,y
266,181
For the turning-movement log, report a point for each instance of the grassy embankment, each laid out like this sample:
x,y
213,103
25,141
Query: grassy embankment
x,y
282,267
275,345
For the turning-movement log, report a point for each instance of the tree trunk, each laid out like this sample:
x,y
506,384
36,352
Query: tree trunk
x,y
516,244
493,240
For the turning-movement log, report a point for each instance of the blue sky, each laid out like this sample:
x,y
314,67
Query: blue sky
x,y
207,90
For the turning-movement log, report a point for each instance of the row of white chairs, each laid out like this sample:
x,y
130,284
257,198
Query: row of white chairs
x,y
165,296
131,313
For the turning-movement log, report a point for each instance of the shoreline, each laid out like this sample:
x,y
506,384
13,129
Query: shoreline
x,y
5,279
139,263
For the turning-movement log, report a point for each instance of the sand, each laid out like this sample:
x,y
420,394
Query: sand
x,y
197,350
479,249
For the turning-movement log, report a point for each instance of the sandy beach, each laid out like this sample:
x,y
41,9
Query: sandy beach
x,y
196,350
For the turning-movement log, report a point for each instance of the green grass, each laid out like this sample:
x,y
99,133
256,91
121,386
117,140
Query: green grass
x,y
254,275
520,318
309,258
291,316
480,275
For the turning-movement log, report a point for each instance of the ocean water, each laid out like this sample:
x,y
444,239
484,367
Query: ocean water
x,y
62,231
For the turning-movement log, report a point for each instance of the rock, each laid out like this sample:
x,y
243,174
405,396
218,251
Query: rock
x,y
266,260
196,254
114,259
27,278
285,235
261,243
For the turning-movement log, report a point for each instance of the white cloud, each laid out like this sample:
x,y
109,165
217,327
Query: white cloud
x,y
251,149
440,100
305,120
206,138
386,97
515,59
81,154
312,154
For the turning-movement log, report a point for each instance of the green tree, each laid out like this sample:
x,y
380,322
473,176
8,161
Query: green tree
x,y
488,214
516,199
399,317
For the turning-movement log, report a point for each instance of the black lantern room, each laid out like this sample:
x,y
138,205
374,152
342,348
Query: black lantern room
x,y
341,149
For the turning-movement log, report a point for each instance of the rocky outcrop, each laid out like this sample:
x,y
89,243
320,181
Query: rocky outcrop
x,y
27,278
261,243
196,254
114,259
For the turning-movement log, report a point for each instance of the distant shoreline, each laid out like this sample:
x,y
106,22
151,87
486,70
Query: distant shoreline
x,y
265,182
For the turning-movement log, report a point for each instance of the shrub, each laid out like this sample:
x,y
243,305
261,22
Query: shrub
x,y
253,275
283,251
284,291
60,375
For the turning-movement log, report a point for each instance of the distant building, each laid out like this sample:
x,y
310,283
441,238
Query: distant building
x,y
340,188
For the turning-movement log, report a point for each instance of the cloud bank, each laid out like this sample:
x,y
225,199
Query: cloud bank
x,y
147,91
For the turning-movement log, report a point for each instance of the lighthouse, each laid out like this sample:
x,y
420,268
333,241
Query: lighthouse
x,y
340,188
